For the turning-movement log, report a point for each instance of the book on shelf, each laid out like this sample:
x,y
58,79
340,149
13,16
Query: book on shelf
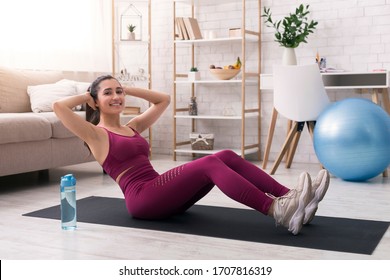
x,y
182,28
129,110
179,34
188,28
193,29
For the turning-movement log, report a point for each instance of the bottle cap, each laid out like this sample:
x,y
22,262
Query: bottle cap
x,y
68,180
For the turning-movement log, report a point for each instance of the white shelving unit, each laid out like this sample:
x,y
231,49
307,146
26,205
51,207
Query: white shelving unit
x,y
249,76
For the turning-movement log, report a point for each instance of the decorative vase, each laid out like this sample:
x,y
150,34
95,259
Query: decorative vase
x,y
289,57
131,36
193,76
193,107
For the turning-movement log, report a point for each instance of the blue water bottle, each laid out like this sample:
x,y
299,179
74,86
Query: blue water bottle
x,y
68,202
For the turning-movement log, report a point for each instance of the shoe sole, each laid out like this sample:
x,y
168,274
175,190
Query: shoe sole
x,y
319,194
296,221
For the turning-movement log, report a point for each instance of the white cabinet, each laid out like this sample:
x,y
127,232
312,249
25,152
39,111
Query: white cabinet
x,y
229,109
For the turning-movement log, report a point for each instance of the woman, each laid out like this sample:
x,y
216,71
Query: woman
x,y
123,154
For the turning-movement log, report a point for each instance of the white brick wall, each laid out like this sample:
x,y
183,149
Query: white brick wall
x,y
352,34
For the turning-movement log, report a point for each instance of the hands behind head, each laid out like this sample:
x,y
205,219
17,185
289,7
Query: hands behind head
x,y
90,101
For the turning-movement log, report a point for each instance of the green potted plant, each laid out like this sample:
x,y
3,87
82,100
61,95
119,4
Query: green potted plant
x,y
292,30
131,33
194,74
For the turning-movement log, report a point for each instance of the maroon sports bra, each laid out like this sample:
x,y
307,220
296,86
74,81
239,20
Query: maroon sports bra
x,y
125,152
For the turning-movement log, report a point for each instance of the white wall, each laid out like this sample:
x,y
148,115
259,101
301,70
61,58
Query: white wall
x,y
69,35
352,34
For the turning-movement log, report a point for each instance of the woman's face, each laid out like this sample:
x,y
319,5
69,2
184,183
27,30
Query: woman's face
x,y
111,97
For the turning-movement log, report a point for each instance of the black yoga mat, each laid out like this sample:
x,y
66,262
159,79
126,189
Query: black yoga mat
x,y
325,233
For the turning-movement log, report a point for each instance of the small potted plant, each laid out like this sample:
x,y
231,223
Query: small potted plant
x,y
194,74
131,33
292,29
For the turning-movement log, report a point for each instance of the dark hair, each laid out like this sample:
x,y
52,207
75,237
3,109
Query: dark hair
x,y
91,115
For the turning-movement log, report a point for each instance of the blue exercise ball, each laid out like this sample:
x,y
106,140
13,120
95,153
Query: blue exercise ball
x,y
352,139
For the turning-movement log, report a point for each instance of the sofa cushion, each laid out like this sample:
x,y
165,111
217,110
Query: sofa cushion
x,y
43,96
58,129
23,127
13,87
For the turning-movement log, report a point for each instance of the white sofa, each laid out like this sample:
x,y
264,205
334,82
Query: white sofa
x,y
31,137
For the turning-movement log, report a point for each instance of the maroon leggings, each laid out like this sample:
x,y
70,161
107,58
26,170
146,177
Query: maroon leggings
x,y
181,187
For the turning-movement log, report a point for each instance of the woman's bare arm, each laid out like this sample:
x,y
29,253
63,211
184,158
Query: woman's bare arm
x,y
75,123
159,102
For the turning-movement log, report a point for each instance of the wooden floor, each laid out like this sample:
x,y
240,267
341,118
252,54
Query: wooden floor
x,y
35,238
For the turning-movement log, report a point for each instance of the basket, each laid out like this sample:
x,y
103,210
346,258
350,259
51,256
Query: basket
x,y
201,141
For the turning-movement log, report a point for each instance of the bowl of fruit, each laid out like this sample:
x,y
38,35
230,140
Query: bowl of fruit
x,y
226,72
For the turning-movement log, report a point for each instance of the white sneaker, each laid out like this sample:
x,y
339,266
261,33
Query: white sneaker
x,y
289,210
319,188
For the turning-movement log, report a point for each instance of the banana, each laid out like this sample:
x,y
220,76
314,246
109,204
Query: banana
x,y
238,63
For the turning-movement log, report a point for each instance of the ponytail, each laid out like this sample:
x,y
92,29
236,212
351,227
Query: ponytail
x,y
91,115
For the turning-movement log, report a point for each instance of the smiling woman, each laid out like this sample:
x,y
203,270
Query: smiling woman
x,y
63,35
